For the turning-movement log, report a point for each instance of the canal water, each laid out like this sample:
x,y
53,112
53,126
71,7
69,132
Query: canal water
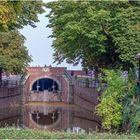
x,y
50,117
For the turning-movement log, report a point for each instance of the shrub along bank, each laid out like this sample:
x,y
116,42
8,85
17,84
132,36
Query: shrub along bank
x,y
12,133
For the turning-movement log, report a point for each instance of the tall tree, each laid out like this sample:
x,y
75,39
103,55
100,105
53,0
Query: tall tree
x,y
15,15
99,33
14,55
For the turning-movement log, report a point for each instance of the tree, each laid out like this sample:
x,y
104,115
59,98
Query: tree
x,y
17,14
99,33
14,55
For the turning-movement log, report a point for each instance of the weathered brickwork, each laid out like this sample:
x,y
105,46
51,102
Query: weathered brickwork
x,y
89,94
55,73
86,98
68,92
10,96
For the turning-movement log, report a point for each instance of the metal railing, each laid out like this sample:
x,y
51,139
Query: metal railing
x,y
68,76
89,82
10,83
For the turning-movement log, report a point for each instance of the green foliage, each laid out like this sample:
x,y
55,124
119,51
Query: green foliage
x,y
131,107
13,54
111,100
99,33
119,104
10,133
16,14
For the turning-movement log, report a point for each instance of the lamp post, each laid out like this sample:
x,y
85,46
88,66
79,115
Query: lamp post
x,y
138,58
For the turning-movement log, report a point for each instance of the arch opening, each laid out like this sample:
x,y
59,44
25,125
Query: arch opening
x,y
45,84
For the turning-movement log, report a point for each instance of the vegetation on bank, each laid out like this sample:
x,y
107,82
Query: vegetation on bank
x,y
11,133
119,104
111,101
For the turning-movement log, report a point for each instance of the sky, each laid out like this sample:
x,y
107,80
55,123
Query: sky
x,y
39,45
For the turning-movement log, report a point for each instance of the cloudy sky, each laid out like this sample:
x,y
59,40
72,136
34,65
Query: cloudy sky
x,y
39,45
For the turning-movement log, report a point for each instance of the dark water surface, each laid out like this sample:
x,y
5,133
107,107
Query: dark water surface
x,y
53,118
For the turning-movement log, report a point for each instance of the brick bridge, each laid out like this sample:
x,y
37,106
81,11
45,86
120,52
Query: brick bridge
x,y
51,84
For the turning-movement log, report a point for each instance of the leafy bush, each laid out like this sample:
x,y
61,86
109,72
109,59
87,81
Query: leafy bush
x,y
120,103
111,101
131,108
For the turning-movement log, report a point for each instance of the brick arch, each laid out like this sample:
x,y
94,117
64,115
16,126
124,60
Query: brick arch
x,y
58,74
46,76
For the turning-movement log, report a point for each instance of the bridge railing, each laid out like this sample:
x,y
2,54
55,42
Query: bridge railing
x,y
9,83
89,82
68,76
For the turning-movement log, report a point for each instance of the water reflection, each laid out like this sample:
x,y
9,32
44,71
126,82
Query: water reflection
x,y
10,117
45,119
66,118
73,119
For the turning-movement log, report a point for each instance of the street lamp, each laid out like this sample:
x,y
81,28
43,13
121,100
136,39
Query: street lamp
x,y
138,58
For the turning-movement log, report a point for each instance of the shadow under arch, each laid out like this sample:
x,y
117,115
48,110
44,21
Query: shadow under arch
x,y
45,83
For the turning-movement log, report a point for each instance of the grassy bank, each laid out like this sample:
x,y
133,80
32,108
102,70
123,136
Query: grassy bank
x,y
11,133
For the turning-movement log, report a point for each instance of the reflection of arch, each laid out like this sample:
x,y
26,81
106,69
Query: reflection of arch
x,y
51,80
48,125
44,120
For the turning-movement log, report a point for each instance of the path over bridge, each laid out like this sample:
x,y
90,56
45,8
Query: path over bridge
x,y
51,84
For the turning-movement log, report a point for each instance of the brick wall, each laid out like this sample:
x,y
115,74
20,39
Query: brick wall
x,y
86,97
10,97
